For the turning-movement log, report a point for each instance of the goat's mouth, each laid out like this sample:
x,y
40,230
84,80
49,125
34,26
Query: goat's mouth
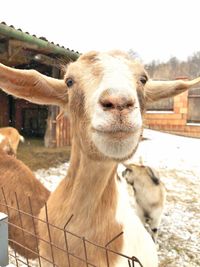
x,y
114,134
115,143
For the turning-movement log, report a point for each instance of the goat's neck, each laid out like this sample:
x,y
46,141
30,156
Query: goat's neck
x,y
93,199
93,181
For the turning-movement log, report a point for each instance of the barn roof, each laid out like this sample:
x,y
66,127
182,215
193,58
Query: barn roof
x,y
17,47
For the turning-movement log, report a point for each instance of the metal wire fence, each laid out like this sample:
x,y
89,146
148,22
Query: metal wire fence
x,y
24,239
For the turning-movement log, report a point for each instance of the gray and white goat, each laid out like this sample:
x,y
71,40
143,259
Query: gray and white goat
x,y
149,192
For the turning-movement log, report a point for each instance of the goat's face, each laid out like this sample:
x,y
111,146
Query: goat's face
x,y
106,103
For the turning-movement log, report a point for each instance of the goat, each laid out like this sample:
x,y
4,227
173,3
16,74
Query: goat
x,y
149,192
11,139
17,185
105,95
5,145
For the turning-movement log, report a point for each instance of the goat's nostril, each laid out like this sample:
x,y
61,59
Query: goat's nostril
x,y
130,104
107,105
125,104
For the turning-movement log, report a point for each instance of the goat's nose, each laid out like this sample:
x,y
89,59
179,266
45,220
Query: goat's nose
x,y
116,103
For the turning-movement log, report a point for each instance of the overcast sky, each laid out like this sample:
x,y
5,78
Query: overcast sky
x,y
155,29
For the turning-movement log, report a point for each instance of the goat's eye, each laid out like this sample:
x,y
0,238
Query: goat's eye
x,y
143,80
69,82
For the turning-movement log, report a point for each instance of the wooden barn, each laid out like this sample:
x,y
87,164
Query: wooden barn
x,y
22,50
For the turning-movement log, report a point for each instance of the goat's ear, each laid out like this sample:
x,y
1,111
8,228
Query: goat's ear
x,y
126,165
130,165
33,86
156,90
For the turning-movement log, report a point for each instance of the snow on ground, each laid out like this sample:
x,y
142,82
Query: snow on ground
x,y
176,159
51,177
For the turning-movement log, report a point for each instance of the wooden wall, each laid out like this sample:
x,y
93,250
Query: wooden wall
x,y
63,132
4,109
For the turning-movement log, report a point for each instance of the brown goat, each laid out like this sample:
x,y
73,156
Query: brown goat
x,y
105,95
6,146
18,184
11,140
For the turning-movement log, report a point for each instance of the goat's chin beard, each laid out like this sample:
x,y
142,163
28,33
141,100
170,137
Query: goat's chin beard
x,y
117,149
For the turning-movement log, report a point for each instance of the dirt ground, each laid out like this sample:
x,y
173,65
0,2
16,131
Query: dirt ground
x,y
33,153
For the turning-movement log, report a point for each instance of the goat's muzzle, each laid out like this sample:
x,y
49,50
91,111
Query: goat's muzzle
x,y
116,104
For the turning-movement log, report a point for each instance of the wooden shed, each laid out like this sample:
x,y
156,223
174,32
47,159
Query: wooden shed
x,y
22,50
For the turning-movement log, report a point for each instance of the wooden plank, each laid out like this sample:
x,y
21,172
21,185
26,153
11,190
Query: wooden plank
x,y
63,131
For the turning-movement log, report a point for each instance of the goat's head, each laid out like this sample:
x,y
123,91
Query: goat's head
x,y
105,95
104,104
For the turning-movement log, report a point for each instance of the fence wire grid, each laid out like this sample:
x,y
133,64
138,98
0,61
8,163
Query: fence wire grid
x,y
24,241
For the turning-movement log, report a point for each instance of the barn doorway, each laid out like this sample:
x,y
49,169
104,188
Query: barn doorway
x,y
34,121
28,118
